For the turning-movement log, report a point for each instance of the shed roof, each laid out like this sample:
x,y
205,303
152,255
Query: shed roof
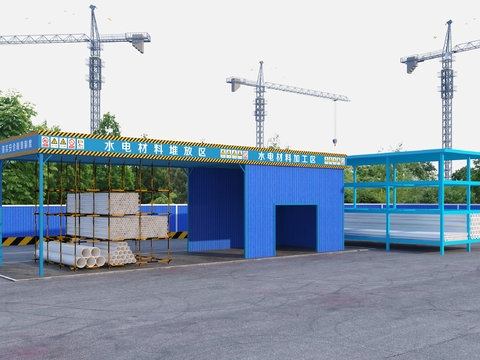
x,y
118,150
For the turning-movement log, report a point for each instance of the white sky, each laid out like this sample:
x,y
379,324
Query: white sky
x,y
177,89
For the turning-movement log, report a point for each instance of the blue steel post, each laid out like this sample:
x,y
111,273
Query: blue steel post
x,y
246,250
40,213
1,210
394,179
387,201
189,174
354,188
441,201
469,246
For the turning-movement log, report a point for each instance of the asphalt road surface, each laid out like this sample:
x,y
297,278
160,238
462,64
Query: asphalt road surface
x,y
408,303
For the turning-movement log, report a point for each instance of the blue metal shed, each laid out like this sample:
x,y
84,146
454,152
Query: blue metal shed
x,y
258,207
238,196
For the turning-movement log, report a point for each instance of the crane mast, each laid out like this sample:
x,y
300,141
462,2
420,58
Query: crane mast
x,y
260,86
446,91
260,106
95,79
95,63
446,83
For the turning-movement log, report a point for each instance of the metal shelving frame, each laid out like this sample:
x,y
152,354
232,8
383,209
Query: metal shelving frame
x,y
391,184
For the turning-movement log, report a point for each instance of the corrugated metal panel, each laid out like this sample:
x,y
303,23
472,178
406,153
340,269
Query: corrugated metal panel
x,y
330,217
215,207
260,186
182,218
267,186
20,220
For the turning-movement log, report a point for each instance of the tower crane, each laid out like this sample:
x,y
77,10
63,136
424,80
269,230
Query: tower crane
x,y
260,86
94,63
446,83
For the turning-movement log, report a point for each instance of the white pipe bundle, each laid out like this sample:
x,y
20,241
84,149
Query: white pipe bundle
x,y
116,203
120,252
66,259
68,249
152,226
121,227
103,203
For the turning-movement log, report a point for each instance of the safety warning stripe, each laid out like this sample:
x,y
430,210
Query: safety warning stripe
x,y
180,143
178,234
184,158
25,240
30,240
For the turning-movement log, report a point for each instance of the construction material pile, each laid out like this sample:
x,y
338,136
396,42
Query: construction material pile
x,y
72,254
118,228
116,217
120,252
103,203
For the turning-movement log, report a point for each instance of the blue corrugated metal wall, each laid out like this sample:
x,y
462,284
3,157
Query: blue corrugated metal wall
x,y
19,220
215,209
267,186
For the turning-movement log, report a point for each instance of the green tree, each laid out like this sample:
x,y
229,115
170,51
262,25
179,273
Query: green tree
x,y
461,174
18,181
178,179
15,115
108,126
403,172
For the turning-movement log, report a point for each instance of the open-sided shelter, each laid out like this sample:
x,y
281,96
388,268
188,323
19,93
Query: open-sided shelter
x,y
238,197
438,224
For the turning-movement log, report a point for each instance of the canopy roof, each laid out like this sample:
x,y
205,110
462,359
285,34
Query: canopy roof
x,y
117,150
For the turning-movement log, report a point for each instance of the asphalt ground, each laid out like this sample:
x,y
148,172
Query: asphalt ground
x,y
19,264
362,303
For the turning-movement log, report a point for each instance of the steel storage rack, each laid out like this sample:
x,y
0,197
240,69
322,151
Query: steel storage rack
x,y
99,223
434,225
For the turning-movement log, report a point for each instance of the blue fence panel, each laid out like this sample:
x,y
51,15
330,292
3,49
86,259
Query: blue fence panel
x,y
22,220
19,220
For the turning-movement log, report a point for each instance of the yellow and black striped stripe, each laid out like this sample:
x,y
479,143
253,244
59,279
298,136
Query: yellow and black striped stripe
x,y
22,240
178,234
30,240
180,143
184,158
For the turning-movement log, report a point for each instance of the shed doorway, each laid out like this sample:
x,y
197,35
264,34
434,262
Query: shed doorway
x,y
296,228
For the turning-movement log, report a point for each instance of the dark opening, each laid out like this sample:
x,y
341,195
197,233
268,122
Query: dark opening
x,y
296,228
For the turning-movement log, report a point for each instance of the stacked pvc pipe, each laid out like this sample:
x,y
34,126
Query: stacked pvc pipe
x,y
69,254
103,203
120,252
